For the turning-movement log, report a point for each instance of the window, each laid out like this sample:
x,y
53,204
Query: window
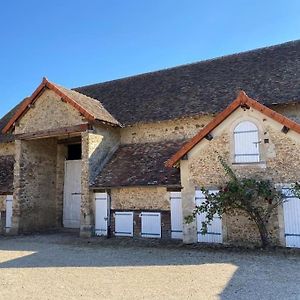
x,y
246,143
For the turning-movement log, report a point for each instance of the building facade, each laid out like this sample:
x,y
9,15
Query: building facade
x,y
124,157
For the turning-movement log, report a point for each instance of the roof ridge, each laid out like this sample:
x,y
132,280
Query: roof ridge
x,y
145,74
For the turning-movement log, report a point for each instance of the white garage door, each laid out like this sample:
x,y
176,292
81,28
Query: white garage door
x,y
291,209
214,230
176,215
124,223
151,224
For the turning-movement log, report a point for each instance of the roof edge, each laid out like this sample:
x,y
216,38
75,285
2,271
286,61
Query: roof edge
x,y
241,100
170,68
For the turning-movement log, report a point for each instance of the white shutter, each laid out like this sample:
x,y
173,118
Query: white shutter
x,y
176,215
246,143
151,224
101,213
214,230
291,211
9,211
124,223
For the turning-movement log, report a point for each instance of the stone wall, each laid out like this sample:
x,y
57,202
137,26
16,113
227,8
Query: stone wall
x,y
2,202
291,110
2,213
184,128
133,198
280,163
34,205
48,112
97,147
60,177
142,199
7,148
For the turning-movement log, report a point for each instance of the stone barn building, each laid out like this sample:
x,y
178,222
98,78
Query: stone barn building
x,y
128,157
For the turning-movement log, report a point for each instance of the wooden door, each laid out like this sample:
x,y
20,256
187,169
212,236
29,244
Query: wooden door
x,y
72,194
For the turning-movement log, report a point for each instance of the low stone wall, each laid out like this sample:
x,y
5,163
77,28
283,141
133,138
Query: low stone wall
x,y
132,198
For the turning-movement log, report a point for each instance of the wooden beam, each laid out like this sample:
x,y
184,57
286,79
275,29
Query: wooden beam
x,y
71,140
53,132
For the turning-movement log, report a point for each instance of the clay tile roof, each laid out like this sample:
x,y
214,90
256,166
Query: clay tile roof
x,y
271,75
93,106
140,165
4,120
6,174
241,101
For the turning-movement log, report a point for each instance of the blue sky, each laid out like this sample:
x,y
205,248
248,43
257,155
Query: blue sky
x,y
78,42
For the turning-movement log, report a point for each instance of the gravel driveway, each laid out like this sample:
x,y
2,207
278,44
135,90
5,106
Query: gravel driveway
x,y
62,266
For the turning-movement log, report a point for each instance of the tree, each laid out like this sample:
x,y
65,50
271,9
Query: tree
x,y
296,189
257,198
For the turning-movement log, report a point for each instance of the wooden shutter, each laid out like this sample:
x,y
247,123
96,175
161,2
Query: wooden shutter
x,y
176,215
291,211
214,230
101,213
124,223
151,224
246,143
9,211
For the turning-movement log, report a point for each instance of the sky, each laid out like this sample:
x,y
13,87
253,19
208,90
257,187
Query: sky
x,y
80,42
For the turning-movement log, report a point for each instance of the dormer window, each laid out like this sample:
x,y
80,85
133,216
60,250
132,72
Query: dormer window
x,y
246,143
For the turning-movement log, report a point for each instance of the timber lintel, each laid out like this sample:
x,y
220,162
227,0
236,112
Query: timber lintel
x,y
53,132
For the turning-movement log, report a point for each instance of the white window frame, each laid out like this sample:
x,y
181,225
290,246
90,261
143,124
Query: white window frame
x,y
249,155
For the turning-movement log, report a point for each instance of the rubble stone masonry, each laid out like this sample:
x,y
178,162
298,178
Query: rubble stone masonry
x,y
48,112
34,204
97,147
279,162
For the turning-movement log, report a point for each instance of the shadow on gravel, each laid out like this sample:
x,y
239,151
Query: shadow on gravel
x,y
273,274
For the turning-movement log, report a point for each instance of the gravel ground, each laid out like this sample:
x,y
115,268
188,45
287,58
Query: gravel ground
x,y
62,266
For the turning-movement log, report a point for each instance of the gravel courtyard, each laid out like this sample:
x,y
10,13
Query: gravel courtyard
x,y
62,266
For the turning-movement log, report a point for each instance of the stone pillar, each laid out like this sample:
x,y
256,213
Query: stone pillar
x,y
86,217
281,233
34,200
188,204
14,230
62,151
97,148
